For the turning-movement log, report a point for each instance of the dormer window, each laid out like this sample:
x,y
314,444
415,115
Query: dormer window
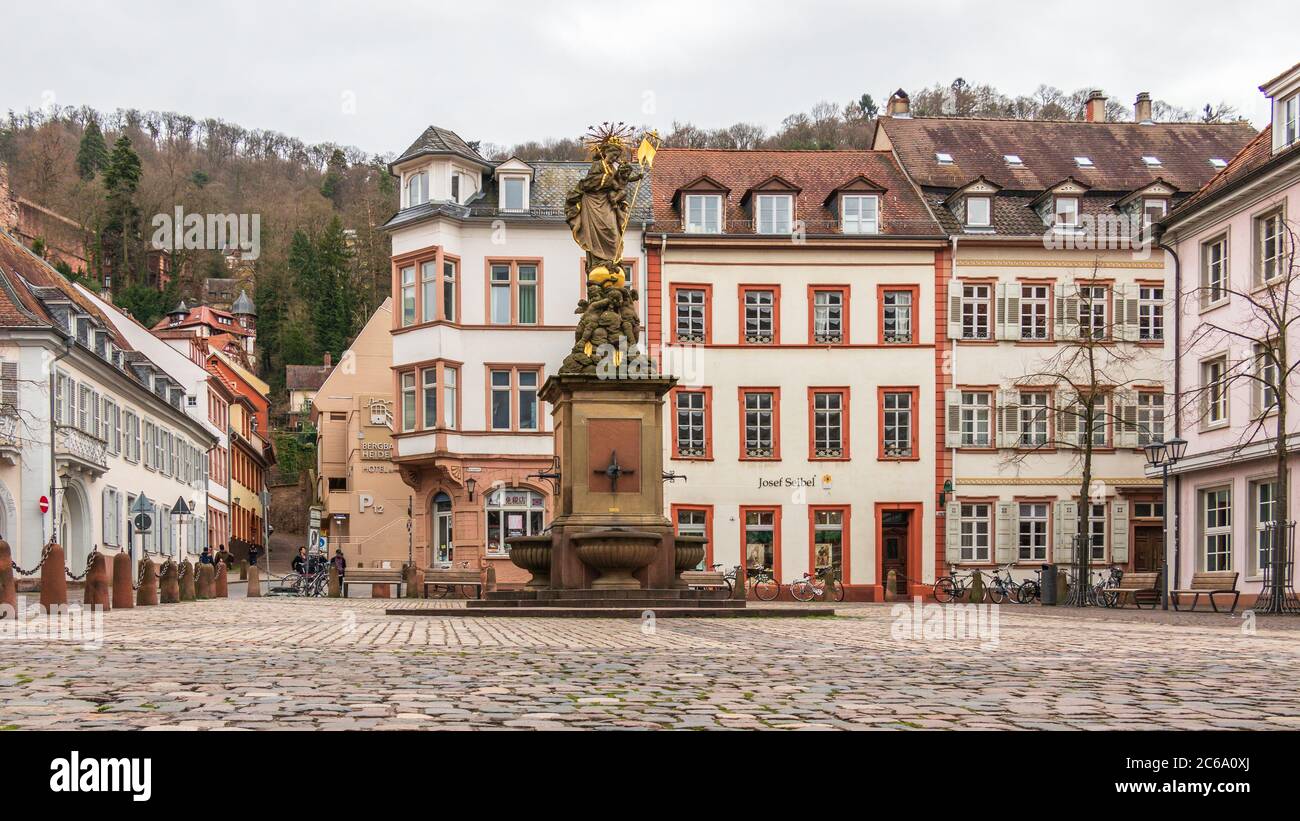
x,y
455,187
943,158
1067,212
704,213
1014,160
1154,209
417,188
514,193
979,212
1083,162
1291,119
774,213
860,213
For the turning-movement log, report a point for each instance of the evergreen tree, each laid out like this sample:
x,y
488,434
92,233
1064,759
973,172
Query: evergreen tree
x,y
332,186
92,156
122,228
332,307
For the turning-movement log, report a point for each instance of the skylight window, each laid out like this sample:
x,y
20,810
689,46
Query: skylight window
x,y
1014,159
943,157
1218,162
1083,162
1151,161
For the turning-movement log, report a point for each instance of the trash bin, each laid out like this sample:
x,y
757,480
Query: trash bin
x,y
1048,591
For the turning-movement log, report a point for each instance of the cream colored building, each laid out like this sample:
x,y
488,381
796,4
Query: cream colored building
x,y
359,488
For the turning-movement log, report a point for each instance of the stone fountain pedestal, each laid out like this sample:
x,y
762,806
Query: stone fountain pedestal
x,y
612,552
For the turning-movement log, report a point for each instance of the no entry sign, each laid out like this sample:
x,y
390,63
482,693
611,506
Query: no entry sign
x,y
45,504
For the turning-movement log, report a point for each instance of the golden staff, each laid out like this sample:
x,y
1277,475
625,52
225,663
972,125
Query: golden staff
x,y
645,157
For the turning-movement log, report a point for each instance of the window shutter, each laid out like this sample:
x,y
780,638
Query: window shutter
x,y
1125,422
952,434
1132,306
1067,421
1008,419
8,387
1119,531
106,516
1000,313
954,309
952,549
1012,324
1066,514
1007,531
1067,313
1119,329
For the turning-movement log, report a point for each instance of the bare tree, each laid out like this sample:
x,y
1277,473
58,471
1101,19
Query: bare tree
x,y
1093,382
1261,337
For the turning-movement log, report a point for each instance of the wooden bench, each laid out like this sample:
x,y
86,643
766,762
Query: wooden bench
x,y
1209,584
1134,584
704,579
450,577
373,576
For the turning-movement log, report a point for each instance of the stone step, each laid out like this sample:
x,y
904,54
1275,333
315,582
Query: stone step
x,y
611,612
676,594
642,603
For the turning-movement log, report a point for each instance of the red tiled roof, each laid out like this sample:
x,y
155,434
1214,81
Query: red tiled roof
x,y
1048,148
15,258
815,173
1254,156
205,315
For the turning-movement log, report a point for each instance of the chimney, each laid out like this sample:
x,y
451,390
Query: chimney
x,y
900,105
8,203
328,359
1142,109
1095,108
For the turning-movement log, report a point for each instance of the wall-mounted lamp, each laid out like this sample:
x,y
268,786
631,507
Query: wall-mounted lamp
x,y
470,484
943,494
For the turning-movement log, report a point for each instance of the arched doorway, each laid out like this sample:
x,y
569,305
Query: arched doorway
x,y
74,526
442,535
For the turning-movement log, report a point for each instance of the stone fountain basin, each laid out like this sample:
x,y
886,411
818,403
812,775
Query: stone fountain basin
x,y
617,554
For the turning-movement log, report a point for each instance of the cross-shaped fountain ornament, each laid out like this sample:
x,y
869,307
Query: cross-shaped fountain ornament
x,y
614,471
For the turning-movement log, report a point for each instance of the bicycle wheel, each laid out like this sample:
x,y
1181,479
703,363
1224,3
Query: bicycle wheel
x,y
945,590
729,587
995,593
837,590
468,591
767,588
1027,593
802,591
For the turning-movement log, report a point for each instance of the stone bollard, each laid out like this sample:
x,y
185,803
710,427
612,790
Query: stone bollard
x,y
8,584
170,588
891,586
828,585
254,577
187,581
220,584
738,586
490,578
96,584
243,570
334,586
203,584
54,582
381,591
414,582
147,594
123,576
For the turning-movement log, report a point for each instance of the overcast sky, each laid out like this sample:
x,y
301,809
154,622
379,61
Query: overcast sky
x,y
374,74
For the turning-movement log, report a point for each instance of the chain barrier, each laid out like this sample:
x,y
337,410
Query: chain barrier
x,y
89,561
45,554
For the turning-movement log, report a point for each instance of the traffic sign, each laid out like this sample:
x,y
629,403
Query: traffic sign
x,y
142,504
45,504
142,523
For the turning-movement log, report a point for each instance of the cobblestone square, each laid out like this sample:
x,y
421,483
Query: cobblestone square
x,y
344,664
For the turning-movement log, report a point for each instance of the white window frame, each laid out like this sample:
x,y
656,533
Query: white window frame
x,y
1034,417
1215,389
981,218
506,182
767,216
1264,261
1035,311
976,419
1073,212
1151,313
1094,311
1262,513
703,214
1150,415
857,220
977,311
417,188
1214,271
976,532
1097,532
1214,542
1034,533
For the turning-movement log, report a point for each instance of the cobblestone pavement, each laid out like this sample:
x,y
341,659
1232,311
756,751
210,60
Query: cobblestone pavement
x,y
303,664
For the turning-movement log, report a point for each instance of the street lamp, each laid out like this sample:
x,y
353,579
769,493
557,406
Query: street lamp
x,y
1165,455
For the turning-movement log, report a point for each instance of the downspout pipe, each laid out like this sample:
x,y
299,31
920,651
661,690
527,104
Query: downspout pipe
x,y
1178,419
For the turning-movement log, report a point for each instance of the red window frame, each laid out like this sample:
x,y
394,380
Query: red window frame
x,y
708,423
844,424
671,323
844,291
846,521
915,291
741,393
707,510
915,391
741,292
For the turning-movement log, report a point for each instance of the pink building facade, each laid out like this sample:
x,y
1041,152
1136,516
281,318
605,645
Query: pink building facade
x,y
1234,247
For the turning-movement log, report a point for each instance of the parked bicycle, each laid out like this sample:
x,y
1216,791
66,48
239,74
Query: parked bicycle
x,y
763,584
812,587
1102,592
954,586
1003,586
465,591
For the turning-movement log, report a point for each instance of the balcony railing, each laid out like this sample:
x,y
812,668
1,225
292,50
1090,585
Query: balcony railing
x,y
77,445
